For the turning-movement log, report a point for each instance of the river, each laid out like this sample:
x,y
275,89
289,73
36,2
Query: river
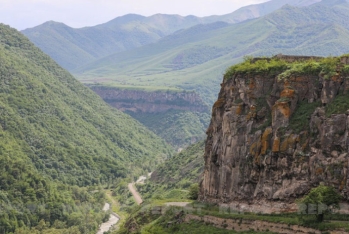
x,y
113,219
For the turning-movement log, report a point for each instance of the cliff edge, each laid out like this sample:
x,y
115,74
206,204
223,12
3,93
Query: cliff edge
x,y
280,127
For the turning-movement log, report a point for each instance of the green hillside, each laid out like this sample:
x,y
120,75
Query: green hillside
x,y
56,134
178,128
173,178
195,58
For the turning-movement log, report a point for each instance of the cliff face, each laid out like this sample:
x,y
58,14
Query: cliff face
x,y
274,139
150,102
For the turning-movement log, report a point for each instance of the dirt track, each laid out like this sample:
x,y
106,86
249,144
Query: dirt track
x,y
135,194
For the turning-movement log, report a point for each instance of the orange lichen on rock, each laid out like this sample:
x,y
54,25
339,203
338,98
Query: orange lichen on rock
x,y
319,171
265,146
342,185
238,110
252,113
288,143
253,149
252,85
287,93
336,78
300,79
265,140
305,145
219,103
283,108
276,145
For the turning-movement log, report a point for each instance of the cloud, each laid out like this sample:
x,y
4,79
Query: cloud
x,y
79,13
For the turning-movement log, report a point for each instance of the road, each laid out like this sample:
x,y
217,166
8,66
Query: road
x,y
135,194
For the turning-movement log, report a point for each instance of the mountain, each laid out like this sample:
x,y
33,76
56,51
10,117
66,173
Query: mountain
x,y
194,59
56,116
198,56
258,10
72,47
55,135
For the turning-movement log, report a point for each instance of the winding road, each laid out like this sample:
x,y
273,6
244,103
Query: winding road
x,y
135,194
114,218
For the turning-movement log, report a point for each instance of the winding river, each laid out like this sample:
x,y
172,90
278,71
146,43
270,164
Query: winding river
x,y
113,219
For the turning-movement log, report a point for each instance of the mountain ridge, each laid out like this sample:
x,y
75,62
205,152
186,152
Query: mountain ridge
x,y
289,30
128,32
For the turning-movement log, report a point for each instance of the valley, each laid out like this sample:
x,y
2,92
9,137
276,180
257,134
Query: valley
x,y
189,54
241,118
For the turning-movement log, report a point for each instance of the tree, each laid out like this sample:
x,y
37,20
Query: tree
x,y
320,200
193,192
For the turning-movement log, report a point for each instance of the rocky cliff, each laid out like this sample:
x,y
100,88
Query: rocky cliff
x,y
129,100
278,129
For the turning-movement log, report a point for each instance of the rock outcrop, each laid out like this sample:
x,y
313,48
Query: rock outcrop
x,y
128,100
274,139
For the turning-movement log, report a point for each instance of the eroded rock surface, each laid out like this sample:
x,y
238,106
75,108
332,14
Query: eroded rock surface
x,y
150,102
273,140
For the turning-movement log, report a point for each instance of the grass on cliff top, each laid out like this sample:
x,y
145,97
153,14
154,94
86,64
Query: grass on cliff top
x,y
261,66
325,67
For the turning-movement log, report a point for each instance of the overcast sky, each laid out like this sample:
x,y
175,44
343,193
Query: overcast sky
x,y
23,14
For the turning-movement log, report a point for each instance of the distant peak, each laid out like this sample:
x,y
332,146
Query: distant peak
x,y
51,22
332,2
129,17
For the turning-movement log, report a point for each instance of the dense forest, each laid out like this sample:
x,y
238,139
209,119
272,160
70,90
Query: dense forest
x,y
58,142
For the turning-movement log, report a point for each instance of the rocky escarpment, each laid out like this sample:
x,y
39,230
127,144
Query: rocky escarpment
x,y
277,130
129,100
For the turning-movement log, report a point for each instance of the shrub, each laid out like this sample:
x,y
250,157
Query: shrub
x,y
265,66
323,197
193,192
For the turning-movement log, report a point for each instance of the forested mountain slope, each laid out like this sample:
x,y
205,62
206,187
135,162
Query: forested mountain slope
x,y
55,133
65,129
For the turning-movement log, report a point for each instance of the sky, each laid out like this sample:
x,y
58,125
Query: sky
x,y
22,14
